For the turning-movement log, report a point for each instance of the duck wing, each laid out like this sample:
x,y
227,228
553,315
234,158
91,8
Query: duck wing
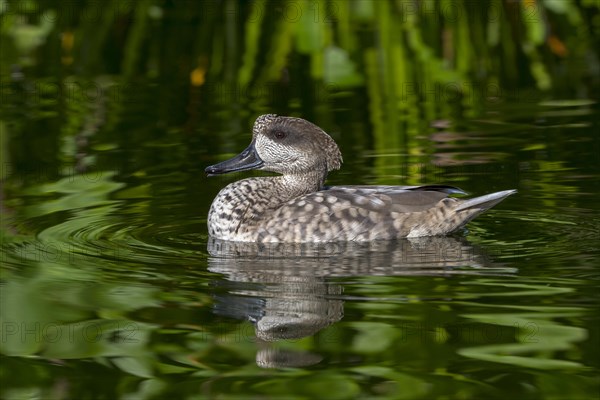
x,y
399,199
352,213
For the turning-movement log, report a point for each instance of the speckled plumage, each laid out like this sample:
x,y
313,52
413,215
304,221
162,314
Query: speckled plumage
x,y
297,207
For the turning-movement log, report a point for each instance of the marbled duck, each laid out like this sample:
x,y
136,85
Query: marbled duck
x,y
297,207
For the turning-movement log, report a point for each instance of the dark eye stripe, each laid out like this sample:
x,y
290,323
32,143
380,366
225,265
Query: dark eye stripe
x,y
279,134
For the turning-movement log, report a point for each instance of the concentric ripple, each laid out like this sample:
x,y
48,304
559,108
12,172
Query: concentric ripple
x,y
106,236
94,238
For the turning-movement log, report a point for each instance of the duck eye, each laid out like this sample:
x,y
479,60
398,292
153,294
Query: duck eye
x,y
279,134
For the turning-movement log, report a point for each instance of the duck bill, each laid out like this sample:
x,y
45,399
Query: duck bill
x,y
247,159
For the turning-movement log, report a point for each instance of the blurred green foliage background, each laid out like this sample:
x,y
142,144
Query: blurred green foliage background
x,y
260,53
112,108
72,68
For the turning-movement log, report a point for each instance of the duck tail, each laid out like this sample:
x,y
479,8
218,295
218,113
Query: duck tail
x,y
485,202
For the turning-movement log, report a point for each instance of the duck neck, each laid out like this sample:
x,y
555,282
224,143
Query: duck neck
x,y
295,185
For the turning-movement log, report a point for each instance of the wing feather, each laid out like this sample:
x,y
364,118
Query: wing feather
x,y
349,212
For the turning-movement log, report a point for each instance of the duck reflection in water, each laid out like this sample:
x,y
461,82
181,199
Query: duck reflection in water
x,y
288,291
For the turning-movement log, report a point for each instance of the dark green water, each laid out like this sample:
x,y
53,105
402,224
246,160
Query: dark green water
x,y
111,287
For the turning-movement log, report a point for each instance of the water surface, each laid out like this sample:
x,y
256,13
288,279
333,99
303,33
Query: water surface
x,y
111,285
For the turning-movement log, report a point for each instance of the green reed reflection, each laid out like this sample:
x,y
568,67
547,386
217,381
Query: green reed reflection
x,y
110,286
419,61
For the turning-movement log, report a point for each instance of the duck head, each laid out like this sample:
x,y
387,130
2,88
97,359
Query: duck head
x,y
285,145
